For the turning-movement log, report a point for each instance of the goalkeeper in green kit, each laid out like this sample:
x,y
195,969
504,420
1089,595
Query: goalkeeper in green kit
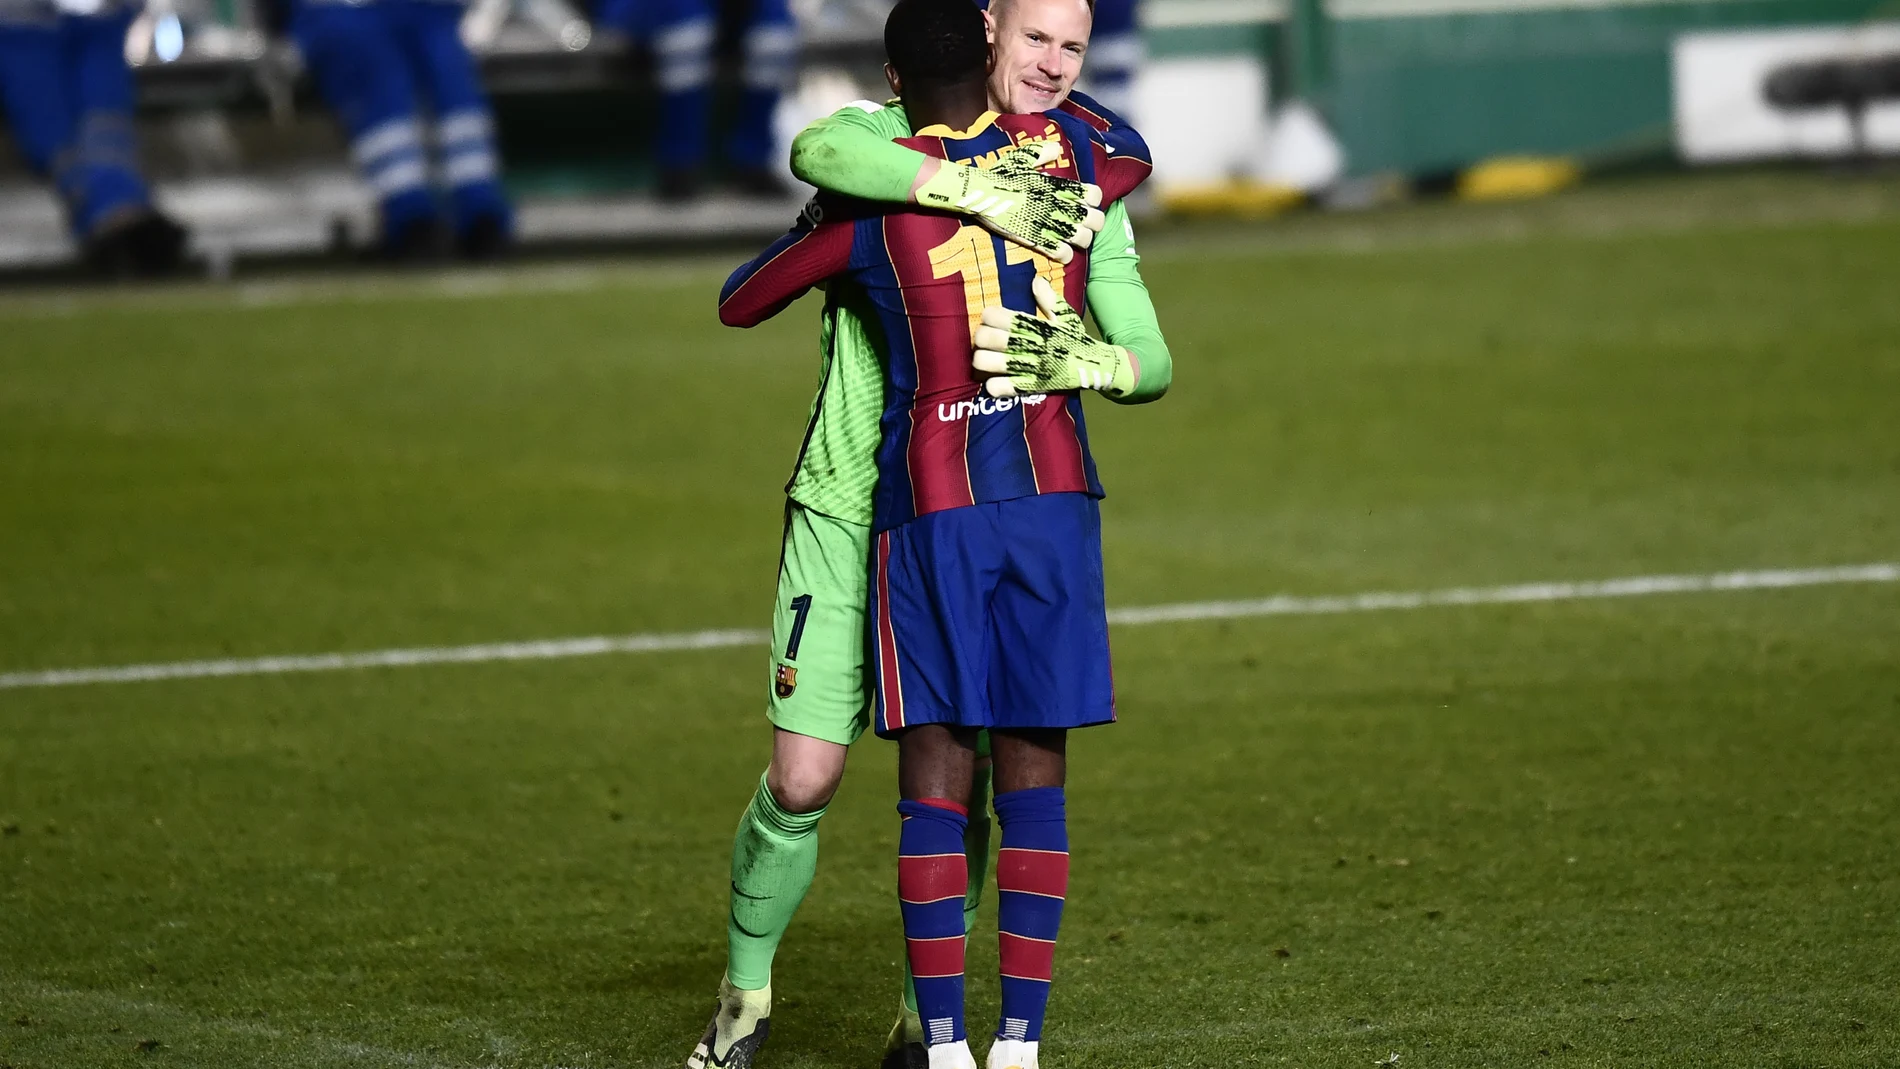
x,y
820,697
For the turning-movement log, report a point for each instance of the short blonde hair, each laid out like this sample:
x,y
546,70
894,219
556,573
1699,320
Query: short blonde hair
x,y
998,5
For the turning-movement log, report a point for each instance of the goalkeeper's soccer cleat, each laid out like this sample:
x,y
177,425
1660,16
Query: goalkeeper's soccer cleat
x,y
738,1029
1015,199
905,1047
1028,354
1012,1054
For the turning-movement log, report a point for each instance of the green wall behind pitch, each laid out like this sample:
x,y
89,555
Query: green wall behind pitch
x,y
1431,92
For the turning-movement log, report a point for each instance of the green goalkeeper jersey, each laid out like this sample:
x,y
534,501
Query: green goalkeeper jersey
x,y
836,473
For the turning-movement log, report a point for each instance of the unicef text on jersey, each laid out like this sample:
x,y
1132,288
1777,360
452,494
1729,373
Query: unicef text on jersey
x,y
983,406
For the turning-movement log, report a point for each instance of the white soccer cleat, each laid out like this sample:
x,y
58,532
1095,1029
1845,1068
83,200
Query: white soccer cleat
x,y
952,1056
738,1029
1012,1054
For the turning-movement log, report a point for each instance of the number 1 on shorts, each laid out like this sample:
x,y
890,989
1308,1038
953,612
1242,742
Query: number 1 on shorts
x,y
801,608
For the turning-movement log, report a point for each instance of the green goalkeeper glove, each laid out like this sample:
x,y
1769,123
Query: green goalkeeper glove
x,y
1016,200
1027,354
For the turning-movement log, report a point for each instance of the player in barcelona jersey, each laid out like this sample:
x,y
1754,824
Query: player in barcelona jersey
x,y
986,583
819,691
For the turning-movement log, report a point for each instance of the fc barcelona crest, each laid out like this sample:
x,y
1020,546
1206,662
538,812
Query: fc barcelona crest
x,y
787,680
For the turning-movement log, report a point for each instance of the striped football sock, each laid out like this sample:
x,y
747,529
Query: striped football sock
x,y
1032,879
976,851
931,877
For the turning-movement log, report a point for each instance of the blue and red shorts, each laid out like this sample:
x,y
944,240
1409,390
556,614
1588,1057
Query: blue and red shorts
x,y
993,616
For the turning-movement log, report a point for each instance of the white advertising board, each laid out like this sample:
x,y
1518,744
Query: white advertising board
x,y
1721,114
1216,115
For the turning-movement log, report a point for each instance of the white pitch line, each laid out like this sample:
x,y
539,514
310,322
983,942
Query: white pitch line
x,y
1635,586
548,649
449,285
1282,605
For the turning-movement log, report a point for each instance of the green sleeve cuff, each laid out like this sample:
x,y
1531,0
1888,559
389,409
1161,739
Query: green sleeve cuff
x,y
851,152
1123,311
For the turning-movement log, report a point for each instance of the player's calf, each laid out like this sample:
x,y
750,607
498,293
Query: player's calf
x,y
931,876
905,1047
935,762
1032,881
774,856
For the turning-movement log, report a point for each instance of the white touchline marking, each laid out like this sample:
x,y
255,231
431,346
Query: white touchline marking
x,y
1635,586
1281,605
548,649
451,284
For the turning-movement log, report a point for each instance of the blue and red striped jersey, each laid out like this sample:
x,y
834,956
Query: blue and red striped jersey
x,y
1127,163
929,275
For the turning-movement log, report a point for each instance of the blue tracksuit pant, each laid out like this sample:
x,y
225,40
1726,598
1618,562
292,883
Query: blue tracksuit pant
x,y
402,83
681,34
771,61
69,100
1115,52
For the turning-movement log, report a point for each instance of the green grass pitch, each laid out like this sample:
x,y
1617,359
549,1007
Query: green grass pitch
x,y
1657,831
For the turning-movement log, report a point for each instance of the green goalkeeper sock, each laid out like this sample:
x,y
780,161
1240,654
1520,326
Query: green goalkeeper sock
x,y
976,844
976,850
774,855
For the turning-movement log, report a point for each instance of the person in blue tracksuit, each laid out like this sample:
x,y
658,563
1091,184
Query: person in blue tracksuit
x,y
681,35
768,46
69,101
402,83
1115,53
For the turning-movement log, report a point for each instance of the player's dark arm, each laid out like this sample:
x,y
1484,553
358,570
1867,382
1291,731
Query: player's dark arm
x,y
771,281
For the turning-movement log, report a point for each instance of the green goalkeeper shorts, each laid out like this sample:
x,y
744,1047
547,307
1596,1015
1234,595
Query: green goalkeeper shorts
x,y
818,686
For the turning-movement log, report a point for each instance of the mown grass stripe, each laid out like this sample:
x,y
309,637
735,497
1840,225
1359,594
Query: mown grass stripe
x,y
1281,605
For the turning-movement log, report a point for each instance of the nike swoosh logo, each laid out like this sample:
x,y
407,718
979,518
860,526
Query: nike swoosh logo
x,y
744,929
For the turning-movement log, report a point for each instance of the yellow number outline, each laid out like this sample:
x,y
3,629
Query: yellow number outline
x,y
971,252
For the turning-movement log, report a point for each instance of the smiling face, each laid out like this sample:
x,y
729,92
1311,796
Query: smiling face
x,y
1039,46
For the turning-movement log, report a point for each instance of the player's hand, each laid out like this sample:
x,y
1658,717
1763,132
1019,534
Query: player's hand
x,y
1027,354
1016,200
